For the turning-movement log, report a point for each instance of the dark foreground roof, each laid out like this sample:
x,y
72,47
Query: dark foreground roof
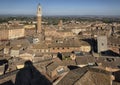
x,y
86,76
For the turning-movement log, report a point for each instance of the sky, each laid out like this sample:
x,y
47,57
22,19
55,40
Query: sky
x,y
60,7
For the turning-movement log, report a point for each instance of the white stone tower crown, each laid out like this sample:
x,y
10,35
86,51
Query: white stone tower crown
x,y
39,10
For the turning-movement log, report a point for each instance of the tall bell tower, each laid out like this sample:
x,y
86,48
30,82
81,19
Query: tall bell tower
x,y
39,19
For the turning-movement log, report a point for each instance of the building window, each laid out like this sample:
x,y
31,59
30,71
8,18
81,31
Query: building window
x,y
102,44
56,41
39,50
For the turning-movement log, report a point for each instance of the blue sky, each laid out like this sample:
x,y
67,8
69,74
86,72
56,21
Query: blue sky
x,y
61,7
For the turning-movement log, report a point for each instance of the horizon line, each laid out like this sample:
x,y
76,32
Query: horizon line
x,y
52,15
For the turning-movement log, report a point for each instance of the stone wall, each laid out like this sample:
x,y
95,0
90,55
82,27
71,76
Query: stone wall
x,y
3,34
7,34
16,33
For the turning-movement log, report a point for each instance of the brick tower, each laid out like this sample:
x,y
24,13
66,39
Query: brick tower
x,y
39,18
